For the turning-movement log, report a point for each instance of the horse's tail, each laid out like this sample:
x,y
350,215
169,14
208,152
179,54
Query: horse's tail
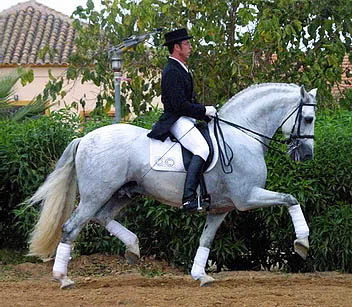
x,y
57,195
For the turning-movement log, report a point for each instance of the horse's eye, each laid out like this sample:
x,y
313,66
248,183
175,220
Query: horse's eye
x,y
308,119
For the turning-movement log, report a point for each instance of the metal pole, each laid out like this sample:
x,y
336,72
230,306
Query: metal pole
x,y
116,63
117,81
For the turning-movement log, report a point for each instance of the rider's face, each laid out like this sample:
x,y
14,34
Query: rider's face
x,y
185,49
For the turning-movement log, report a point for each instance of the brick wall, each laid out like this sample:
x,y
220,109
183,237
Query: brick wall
x,y
346,82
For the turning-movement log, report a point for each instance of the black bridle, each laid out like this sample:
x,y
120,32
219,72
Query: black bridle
x,y
293,140
298,135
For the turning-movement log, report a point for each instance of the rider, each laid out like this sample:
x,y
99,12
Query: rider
x,y
181,110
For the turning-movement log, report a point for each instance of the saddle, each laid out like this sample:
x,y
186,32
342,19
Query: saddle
x,y
171,156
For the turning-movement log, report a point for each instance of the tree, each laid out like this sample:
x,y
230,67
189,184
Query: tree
x,y
234,45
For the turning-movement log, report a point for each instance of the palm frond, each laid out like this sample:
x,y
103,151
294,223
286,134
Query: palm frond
x,y
6,91
6,86
35,107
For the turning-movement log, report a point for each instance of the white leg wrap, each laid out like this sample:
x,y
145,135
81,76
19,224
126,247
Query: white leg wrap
x,y
62,258
121,232
200,260
299,222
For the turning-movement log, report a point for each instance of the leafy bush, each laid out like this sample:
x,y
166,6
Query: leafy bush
x,y
28,152
332,239
321,186
146,120
95,122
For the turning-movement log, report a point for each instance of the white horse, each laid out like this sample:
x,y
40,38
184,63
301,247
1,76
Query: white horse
x,y
112,163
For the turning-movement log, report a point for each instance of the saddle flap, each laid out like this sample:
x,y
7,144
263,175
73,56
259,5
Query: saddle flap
x,y
170,156
166,156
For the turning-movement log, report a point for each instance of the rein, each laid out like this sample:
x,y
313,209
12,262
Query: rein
x,y
226,159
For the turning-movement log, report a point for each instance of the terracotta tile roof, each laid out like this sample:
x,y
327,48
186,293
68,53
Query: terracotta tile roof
x,y
28,27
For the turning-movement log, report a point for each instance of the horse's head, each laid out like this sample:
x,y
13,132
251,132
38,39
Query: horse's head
x,y
299,127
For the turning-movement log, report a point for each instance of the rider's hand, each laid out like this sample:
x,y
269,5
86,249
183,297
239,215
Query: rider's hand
x,y
210,111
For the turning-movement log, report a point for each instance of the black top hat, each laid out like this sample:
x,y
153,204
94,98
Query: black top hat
x,y
176,36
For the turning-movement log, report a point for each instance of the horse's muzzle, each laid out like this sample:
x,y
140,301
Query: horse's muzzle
x,y
307,157
300,152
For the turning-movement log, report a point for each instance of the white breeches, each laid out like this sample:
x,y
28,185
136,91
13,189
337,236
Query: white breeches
x,y
190,137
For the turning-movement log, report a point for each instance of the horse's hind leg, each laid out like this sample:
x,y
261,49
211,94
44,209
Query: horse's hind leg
x,y
70,231
198,269
105,217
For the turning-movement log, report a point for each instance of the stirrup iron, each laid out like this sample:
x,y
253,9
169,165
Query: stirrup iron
x,y
199,208
203,203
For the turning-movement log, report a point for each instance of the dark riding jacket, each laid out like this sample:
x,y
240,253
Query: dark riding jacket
x,y
178,98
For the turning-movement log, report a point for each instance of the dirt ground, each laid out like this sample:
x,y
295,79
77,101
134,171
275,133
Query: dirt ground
x,y
109,281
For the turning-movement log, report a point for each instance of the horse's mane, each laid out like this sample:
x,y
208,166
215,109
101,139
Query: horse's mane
x,y
283,86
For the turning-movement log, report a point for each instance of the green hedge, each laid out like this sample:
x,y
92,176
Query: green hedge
x,y
322,186
28,152
256,239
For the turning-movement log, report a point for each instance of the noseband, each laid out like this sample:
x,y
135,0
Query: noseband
x,y
295,136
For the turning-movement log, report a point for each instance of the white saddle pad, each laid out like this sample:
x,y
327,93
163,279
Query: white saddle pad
x,y
167,155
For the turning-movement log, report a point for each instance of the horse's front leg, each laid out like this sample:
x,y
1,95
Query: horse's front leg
x,y
198,269
260,198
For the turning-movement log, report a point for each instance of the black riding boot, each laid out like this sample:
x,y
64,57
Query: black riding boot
x,y
190,199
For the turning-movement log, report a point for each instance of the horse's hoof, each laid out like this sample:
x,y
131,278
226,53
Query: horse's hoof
x,y
301,246
66,283
132,254
206,280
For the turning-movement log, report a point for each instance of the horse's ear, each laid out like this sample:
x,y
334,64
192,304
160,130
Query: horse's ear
x,y
304,95
313,92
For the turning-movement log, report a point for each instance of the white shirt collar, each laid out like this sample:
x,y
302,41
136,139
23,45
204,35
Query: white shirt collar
x,y
183,65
